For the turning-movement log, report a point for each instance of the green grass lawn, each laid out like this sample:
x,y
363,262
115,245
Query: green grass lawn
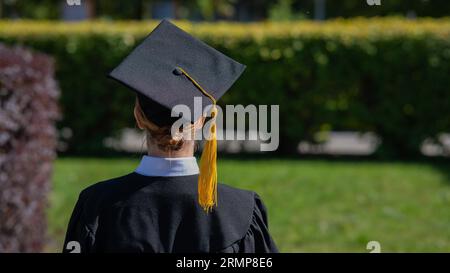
x,y
314,206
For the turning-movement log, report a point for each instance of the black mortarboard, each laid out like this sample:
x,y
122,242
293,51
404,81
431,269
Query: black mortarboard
x,y
152,69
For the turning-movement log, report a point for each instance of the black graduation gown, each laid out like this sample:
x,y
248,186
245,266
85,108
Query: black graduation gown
x,y
137,213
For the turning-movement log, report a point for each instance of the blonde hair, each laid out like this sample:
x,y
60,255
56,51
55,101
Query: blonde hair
x,y
161,136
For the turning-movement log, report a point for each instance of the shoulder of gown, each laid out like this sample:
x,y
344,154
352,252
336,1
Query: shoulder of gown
x,y
83,222
257,238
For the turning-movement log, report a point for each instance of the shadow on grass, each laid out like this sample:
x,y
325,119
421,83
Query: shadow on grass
x,y
444,168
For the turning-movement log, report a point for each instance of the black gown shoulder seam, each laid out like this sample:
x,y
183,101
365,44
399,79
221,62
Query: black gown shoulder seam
x,y
248,225
87,196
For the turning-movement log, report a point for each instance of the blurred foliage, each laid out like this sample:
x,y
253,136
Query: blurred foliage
x,y
389,76
28,100
243,10
43,9
421,8
283,11
137,9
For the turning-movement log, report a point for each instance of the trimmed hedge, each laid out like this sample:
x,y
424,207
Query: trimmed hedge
x,y
389,76
28,100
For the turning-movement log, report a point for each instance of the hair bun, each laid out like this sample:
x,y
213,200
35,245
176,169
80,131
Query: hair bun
x,y
161,136
165,141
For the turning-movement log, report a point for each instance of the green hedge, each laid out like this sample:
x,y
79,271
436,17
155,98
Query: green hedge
x,y
389,76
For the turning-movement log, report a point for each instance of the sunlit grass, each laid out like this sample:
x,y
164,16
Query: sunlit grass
x,y
314,206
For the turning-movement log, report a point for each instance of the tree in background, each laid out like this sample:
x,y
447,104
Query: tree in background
x,y
28,100
239,10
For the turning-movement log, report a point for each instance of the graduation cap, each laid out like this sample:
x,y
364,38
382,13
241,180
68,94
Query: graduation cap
x,y
171,67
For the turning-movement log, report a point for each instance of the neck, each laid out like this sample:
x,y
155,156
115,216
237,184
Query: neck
x,y
186,151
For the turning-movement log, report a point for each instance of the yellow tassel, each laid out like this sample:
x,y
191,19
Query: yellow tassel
x,y
207,179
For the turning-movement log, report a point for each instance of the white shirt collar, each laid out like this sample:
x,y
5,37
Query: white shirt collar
x,y
164,166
